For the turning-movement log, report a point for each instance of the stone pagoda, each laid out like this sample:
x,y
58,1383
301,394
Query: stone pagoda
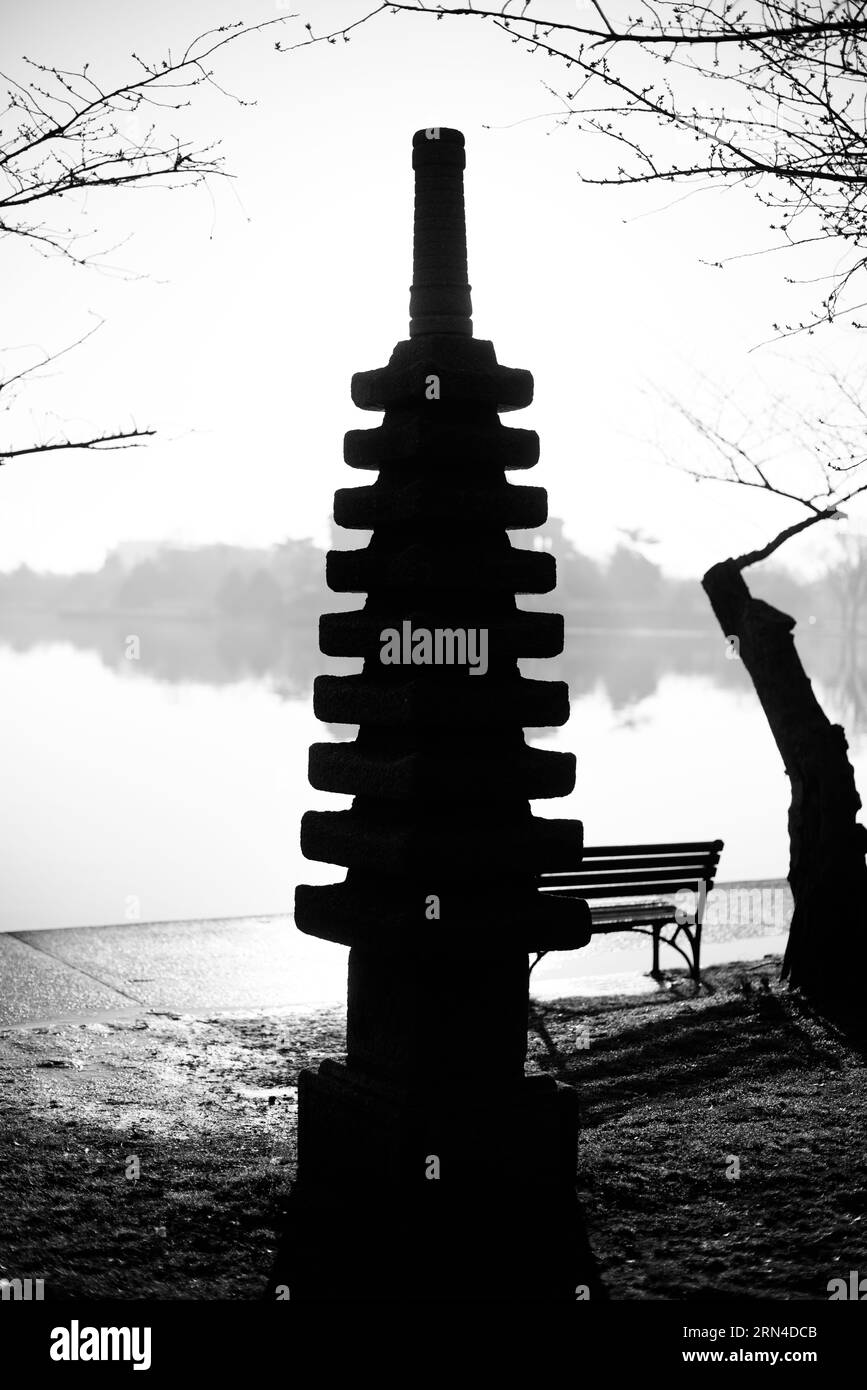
x,y
429,1165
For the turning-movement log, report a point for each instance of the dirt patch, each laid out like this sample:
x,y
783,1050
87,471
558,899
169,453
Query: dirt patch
x,y
722,1148
150,1157
147,1159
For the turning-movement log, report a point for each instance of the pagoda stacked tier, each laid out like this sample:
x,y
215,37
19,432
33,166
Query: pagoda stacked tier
x,y
440,770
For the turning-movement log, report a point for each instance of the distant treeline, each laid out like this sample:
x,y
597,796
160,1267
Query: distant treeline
x,y
208,581
286,582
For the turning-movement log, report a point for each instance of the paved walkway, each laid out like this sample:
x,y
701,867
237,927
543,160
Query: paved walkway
x,y
258,965
242,963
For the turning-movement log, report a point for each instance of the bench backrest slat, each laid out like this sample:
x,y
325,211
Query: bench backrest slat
x,y
615,851
642,889
620,871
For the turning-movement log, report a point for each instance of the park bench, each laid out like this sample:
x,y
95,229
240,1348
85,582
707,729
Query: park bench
x,y
636,888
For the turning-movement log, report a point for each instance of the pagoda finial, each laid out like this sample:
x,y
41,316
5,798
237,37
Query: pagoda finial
x,y
439,299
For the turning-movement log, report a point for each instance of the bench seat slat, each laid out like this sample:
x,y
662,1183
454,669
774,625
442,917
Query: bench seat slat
x,y
603,917
695,862
628,877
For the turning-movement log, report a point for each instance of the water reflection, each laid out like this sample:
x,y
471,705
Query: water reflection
x,y
172,786
181,651
626,664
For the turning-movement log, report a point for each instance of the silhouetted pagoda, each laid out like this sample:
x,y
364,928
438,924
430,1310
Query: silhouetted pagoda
x,y
429,1165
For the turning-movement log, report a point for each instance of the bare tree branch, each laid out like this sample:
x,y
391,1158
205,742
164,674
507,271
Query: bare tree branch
x,y
832,471
64,132
123,439
684,91
752,557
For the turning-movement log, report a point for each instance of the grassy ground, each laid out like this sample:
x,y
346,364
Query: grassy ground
x,y
149,1157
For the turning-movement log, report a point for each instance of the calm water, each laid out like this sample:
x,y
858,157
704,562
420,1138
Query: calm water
x,y
172,786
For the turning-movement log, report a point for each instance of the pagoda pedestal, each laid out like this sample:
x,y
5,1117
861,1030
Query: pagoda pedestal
x,y
429,1166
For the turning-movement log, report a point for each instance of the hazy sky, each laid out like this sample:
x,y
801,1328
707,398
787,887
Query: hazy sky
x,y
256,300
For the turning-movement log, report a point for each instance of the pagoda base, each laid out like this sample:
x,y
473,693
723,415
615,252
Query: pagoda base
x,y
406,1195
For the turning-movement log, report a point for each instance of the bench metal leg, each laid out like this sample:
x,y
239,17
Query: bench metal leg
x,y
657,931
696,955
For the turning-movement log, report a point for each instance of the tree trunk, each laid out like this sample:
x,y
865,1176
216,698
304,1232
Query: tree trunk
x,y
825,954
